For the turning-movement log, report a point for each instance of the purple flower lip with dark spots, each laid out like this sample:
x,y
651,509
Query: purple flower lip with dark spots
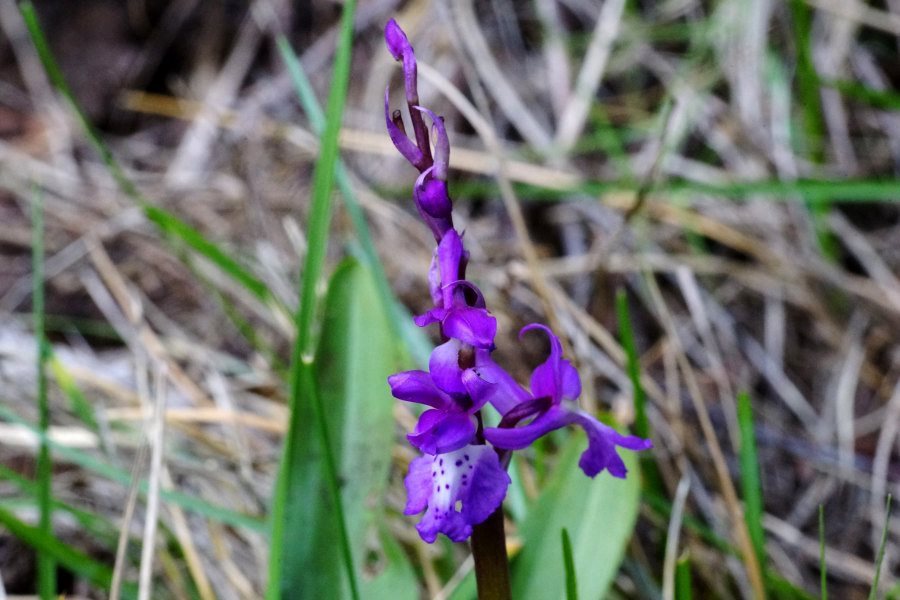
x,y
453,502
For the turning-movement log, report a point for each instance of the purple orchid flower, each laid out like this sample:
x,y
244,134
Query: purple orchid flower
x,y
554,388
460,489
460,481
449,424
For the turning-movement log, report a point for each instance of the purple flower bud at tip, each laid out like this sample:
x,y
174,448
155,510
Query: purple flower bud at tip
x,y
396,40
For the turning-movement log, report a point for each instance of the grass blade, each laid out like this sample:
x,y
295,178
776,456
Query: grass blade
x,y
46,567
168,224
416,341
813,191
808,82
96,526
84,566
633,366
751,485
302,380
683,590
880,559
569,563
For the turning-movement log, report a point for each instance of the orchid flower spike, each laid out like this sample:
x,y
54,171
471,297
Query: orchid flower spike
x,y
461,479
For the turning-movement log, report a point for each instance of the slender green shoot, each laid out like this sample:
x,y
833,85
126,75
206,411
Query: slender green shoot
x,y
810,101
78,403
885,99
750,478
823,567
683,590
415,340
96,525
86,567
633,366
168,224
46,567
569,562
302,379
880,558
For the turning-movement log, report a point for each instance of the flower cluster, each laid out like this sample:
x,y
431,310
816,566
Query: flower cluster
x,y
459,480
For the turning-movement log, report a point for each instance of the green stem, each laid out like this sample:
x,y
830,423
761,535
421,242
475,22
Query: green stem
x,y
46,566
491,562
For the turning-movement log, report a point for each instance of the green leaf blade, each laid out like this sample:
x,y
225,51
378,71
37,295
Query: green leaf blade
x,y
356,354
583,506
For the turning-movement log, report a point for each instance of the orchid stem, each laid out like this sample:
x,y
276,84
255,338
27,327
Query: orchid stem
x,y
491,562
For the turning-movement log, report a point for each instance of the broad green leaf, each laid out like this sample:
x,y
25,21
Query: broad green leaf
x,y
356,353
599,515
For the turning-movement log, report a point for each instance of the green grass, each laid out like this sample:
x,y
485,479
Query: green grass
x,y
683,583
302,377
751,485
873,593
77,562
814,191
46,567
416,341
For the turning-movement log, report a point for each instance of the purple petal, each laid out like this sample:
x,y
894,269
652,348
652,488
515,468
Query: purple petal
x,y
418,485
440,431
432,316
601,451
396,40
465,487
450,257
459,294
473,326
555,377
478,389
441,145
449,523
400,48
403,144
439,225
417,386
434,197
444,367
483,491
504,393
516,438
434,280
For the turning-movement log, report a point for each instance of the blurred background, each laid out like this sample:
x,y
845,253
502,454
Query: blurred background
x,y
727,170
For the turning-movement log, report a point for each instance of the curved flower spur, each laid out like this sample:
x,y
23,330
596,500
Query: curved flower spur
x,y
459,480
